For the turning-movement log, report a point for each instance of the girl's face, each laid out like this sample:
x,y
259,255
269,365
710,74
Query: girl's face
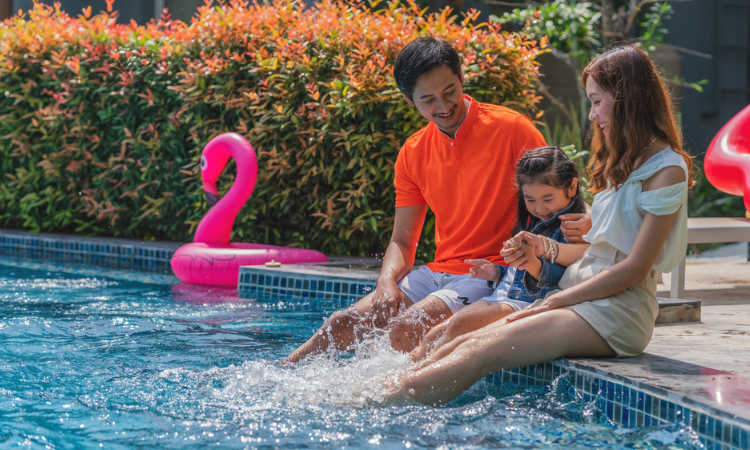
x,y
543,201
601,105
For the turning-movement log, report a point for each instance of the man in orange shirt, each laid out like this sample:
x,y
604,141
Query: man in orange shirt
x,y
462,165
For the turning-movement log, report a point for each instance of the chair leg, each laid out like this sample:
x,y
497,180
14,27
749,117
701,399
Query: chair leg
x,y
677,289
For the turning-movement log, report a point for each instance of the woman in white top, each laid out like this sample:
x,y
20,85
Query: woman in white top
x,y
639,174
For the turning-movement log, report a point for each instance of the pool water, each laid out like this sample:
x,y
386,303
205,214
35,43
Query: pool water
x,y
94,362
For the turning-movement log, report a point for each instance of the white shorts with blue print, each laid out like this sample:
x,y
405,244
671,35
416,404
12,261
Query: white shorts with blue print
x,y
456,291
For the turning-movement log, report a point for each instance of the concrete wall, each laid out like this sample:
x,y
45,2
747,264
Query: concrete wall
x,y
721,29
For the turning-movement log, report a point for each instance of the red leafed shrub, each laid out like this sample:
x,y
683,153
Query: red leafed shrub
x,y
102,124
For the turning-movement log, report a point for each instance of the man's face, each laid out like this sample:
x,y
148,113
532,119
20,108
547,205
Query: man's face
x,y
439,97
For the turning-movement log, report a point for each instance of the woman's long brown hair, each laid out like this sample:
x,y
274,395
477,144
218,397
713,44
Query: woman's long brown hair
x,y
642,108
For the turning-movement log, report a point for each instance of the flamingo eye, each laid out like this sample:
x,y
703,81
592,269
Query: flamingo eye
x,y
204,163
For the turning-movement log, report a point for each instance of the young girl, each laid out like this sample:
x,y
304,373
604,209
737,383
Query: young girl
x,y
547,188
639,174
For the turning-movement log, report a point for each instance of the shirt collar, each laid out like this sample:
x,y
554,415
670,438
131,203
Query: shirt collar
x,y
471,115
542,224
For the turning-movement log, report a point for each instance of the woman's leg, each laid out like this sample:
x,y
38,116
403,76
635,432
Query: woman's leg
x,y
499,346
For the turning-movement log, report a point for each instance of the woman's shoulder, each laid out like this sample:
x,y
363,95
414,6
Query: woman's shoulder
x,y
659,162
665,177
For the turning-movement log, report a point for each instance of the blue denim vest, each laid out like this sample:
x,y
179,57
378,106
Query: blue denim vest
x,y
524,287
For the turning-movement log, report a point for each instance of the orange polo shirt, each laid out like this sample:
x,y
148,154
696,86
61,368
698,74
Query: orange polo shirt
x,y
468,182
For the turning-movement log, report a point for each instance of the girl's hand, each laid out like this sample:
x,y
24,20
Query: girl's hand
x,y
518,249
483,269
554,301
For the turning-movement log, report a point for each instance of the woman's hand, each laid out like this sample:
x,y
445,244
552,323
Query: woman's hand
x,y
574,226
553,301
483,269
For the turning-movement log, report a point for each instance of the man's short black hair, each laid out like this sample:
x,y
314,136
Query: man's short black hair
x,y
420,56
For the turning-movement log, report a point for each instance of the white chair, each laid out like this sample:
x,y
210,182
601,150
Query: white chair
x,y
709,230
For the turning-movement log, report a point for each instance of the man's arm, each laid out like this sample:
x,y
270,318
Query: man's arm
x,y
398,261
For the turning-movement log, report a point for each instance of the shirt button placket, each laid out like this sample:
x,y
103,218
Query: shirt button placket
x,y
456,156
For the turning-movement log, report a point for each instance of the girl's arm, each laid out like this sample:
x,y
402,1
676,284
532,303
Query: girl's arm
x,y
567,255
570,253
632,270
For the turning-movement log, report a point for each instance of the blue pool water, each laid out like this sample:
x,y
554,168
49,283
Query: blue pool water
x,y
94,362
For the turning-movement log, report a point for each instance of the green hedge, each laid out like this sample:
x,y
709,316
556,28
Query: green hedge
x,y
102,124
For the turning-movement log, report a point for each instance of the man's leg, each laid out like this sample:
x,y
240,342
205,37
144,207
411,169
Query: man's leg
x,y
339,329
410,327
453,293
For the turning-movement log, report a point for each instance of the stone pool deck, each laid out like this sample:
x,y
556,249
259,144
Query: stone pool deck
x,y
721,340
708,361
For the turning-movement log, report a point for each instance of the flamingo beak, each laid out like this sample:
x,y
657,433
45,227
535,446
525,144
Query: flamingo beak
x,y
212,194
211,198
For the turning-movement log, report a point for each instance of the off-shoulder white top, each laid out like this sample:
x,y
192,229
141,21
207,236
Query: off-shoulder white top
x,y
617,214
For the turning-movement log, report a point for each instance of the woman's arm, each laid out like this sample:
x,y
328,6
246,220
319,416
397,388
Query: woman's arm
x,y
635,268
632,270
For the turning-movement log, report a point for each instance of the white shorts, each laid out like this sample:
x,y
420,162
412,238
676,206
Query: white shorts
x,y
500,294
515,304
456,291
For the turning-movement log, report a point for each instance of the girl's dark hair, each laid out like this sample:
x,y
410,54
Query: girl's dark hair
x,y
420,56
550,166
643,108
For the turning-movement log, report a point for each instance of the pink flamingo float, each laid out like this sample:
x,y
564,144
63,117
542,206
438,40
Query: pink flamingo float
x,y
727,163
211,259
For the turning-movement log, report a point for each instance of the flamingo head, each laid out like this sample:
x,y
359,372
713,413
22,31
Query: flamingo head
x,y
214,159
209,180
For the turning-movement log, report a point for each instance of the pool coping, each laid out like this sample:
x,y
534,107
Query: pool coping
x,y
630,402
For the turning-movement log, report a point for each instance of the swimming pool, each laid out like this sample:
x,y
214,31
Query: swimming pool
x,y
92,361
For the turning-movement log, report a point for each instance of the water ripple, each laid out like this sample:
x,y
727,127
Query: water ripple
x,y
90,361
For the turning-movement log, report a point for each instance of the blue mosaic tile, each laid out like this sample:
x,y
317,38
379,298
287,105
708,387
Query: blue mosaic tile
x,y
85,251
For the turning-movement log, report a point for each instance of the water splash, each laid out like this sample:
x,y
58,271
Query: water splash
x,y
333,378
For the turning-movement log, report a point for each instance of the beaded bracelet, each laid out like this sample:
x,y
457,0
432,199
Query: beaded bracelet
x,y
551,249
556,251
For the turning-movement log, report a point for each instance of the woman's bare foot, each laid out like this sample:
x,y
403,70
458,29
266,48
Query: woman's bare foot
x,y
419,352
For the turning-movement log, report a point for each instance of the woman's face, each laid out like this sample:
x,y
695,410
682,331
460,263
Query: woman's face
x,y
601,105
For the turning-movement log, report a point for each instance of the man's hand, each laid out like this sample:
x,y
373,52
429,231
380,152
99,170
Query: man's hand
x,y
483,269
386,302
574,226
